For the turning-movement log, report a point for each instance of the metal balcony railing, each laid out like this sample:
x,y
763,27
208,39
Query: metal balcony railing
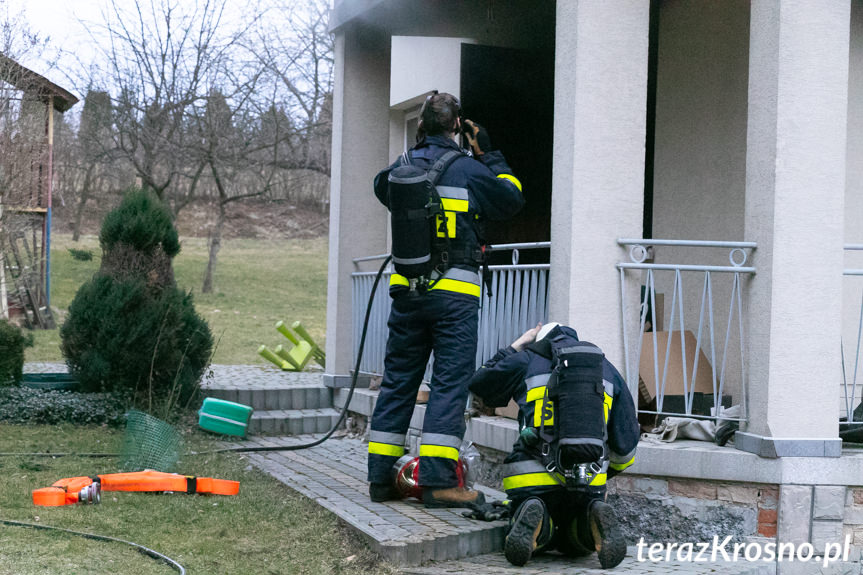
x,y
710,368
519,300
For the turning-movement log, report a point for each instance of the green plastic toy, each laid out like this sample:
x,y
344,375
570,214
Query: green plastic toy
x,y
298,355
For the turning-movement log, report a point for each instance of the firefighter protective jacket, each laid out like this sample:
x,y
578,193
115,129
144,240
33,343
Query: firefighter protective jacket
x,y
471,190
522,376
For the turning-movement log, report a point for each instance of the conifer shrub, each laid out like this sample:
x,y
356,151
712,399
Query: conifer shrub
x,y
130,328
12,344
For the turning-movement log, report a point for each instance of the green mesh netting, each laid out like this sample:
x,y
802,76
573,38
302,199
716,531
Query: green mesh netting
x,y
149,443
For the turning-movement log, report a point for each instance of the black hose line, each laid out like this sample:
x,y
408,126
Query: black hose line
x,y
347,400
296,447
140,548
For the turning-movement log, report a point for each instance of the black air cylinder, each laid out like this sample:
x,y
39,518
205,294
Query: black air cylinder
x,y
580,405
411,221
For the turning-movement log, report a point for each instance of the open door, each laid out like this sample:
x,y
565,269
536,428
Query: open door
x,y
511,93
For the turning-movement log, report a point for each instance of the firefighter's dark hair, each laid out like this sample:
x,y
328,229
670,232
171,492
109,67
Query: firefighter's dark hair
x,y
439,115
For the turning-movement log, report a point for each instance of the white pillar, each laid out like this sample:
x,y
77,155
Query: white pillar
x,y
358,222
600,99
795,185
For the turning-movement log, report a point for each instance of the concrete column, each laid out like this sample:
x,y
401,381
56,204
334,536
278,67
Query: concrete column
x,y
600,99
358,222
795,185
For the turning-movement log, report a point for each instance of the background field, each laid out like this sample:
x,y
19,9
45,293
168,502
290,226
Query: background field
x,y
258,282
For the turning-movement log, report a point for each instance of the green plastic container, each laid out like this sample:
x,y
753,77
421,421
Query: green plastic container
x,y
50,381
225,417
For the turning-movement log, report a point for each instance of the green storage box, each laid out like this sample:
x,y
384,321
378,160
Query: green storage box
x,y
49,381
226,417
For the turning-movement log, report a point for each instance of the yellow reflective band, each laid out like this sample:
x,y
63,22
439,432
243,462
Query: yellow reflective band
x,y
536,393
607,404
445,284
541,408
439,451
528,480
622,466
512,179
450,225
598,479
454,205
386,449
457,286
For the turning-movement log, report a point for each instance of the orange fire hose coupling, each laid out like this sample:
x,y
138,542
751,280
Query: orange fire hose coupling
x,y
88,489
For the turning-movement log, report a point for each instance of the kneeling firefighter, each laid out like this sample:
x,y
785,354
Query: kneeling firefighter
x,y
578,428
438,196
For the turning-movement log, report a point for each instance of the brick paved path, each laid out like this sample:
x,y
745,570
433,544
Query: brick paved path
x,y
334,475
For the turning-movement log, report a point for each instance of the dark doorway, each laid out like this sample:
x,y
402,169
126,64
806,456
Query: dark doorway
x,y
511,93
650,138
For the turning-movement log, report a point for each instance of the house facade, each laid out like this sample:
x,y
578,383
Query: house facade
x,y
693,171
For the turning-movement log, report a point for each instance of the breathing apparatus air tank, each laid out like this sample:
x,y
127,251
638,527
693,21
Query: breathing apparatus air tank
x,y
579,396
410,213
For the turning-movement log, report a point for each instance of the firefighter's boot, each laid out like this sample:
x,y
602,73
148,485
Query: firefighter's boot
x,y
452,497
607,537
380,492
529,530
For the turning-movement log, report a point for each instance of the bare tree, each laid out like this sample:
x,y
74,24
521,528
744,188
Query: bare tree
x,y
95,135
301,60
160,53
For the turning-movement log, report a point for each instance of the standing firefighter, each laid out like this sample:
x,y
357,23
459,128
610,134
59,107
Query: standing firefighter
x,y
578,428
438,197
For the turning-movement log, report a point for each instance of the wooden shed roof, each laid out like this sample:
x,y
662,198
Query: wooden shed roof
x,y
29,81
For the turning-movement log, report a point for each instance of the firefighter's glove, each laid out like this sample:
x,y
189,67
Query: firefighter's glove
x,y
488,511
477,137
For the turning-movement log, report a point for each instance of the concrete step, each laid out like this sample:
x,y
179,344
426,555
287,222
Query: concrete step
x,y
267,398
293,421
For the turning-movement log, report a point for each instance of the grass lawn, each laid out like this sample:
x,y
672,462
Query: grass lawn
x,y
257,283
266,529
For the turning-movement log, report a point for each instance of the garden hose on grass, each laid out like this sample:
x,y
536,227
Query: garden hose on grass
x,y
140,548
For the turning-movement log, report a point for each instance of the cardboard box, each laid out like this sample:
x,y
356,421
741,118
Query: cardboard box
x,y
510,411
674,382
